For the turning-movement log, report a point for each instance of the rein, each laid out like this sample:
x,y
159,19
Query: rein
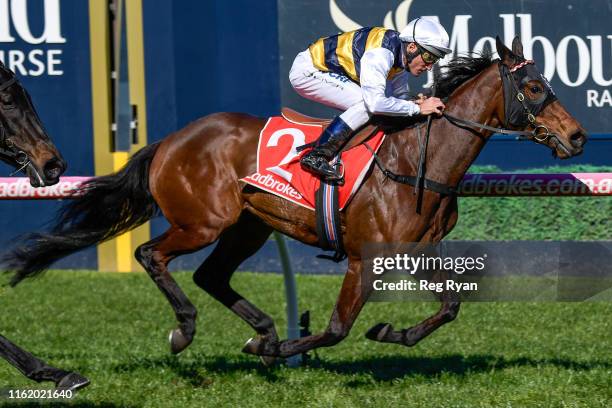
x,y
420,180
471,125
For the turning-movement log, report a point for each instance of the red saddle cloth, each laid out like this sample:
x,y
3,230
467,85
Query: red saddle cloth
x,y
278,163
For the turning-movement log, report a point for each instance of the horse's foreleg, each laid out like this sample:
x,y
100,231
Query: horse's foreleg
x,y
350,301
37,370
448,311
385,333
154,257
446,218
215,273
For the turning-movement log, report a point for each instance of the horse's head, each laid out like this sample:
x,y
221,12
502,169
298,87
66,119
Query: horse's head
x,y
24,143
531,104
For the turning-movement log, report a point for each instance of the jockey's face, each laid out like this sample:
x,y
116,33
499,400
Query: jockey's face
x,y
416,66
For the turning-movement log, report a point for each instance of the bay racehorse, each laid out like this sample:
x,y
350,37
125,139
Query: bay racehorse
x,y
24,144
192,177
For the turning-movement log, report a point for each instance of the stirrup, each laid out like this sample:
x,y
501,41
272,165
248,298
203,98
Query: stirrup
x,y
338,177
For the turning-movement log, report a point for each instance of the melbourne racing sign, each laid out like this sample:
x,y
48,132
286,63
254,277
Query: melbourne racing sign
x,y
570,41
31,45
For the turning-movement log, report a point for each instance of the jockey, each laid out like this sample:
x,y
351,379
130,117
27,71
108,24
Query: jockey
x,y
365,73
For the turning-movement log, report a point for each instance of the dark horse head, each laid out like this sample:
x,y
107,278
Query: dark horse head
x,y
530,103
24,143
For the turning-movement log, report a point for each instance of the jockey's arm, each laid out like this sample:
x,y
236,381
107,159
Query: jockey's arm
x,y
399,88
375,66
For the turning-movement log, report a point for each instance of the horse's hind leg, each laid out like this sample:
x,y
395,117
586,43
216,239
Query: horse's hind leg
x,y
350,301
154,257
37,370
236,244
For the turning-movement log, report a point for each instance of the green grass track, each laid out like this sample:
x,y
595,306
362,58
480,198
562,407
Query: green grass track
x,y
113,328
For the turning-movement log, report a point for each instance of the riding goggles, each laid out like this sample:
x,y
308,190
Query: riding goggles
x,y
427,56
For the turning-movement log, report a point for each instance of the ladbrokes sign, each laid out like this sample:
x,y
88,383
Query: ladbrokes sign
x,y
570,41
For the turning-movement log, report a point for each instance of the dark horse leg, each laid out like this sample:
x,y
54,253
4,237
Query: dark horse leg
x,y
155,255
448,311
37,370
450,303
350,301
215,273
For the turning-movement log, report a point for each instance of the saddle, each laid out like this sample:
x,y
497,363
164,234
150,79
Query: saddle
x,y
360,136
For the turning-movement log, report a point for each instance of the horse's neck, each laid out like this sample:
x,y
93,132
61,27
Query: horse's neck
x,y
452,149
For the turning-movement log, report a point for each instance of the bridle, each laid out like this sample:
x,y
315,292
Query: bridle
x,y
517,112
8,150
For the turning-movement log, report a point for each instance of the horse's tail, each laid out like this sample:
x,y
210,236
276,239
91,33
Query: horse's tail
x,y
108,206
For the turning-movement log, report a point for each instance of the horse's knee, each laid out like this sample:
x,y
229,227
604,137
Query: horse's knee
x,y
450,311
143,255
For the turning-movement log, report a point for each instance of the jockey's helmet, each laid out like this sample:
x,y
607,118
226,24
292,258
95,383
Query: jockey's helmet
x,y
428,34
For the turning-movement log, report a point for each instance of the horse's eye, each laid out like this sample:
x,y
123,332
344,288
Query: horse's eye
x,y
535,89
7,101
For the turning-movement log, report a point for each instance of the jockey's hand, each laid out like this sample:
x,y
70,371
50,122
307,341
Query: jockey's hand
x,y
430,106
420,99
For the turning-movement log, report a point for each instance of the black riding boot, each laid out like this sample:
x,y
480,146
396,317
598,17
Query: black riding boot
x,y
328,146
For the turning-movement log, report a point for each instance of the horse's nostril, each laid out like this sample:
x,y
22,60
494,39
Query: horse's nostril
x,y
53,169
577,139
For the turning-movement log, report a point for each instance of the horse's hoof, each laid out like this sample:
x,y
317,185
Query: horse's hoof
x,y
263,347
253,346
72,382
379,332
178,341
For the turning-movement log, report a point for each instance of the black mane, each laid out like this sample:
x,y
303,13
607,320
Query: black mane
x,y
459,70
456,72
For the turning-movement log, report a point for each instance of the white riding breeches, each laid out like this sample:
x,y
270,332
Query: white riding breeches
x,y
335,90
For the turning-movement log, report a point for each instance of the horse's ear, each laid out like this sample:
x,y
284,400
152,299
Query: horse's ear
x,y
486,49
517,47
506,56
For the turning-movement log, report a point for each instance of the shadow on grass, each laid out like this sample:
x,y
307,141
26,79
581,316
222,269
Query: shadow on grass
x,y
383,369
196,371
